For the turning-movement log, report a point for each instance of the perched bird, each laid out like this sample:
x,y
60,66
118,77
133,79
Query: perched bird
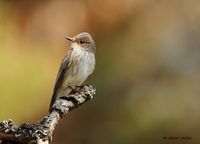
x,y
76,66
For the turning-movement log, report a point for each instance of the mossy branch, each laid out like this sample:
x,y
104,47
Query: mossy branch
x,y
41,132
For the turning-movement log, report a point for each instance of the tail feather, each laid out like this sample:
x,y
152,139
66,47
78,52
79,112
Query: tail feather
x,y
59,94
53,99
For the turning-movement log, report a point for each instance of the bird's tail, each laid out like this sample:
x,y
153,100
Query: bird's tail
x,y
57,95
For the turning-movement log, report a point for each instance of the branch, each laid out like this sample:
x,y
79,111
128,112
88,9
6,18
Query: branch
x,y
41,132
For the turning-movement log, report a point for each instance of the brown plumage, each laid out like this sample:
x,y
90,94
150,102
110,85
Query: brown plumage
x,y
76,66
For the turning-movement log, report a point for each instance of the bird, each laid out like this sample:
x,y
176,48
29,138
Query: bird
x,y
76,66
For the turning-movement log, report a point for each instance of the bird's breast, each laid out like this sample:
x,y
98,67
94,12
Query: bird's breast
x,y
82,64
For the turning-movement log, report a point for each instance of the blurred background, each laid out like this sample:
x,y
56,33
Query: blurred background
x,y
147,74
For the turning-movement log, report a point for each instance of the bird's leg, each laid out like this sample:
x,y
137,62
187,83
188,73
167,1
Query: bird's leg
x,y
79,86
75,88
71,88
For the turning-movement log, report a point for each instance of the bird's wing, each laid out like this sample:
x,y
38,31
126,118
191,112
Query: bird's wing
x,y
60,76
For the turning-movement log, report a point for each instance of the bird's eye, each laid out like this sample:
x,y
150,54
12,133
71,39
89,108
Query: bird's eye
x,y
81,42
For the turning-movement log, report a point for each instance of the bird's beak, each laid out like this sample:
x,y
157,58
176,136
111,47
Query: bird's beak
x,y
69,38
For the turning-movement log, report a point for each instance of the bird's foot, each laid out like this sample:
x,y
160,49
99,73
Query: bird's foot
x,y
71,88
79,86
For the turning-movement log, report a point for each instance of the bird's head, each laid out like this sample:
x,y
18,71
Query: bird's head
x,y
83,40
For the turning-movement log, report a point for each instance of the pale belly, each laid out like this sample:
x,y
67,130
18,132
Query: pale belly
x,y
79,71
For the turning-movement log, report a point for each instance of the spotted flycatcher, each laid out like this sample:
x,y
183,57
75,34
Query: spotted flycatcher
x,y
76,66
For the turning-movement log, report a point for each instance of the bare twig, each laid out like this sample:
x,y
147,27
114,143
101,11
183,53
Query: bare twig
x,y
41,132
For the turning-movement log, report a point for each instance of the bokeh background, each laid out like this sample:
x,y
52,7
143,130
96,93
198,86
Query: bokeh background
x,y
147,74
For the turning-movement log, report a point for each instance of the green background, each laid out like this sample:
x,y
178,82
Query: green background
x,y
147,73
